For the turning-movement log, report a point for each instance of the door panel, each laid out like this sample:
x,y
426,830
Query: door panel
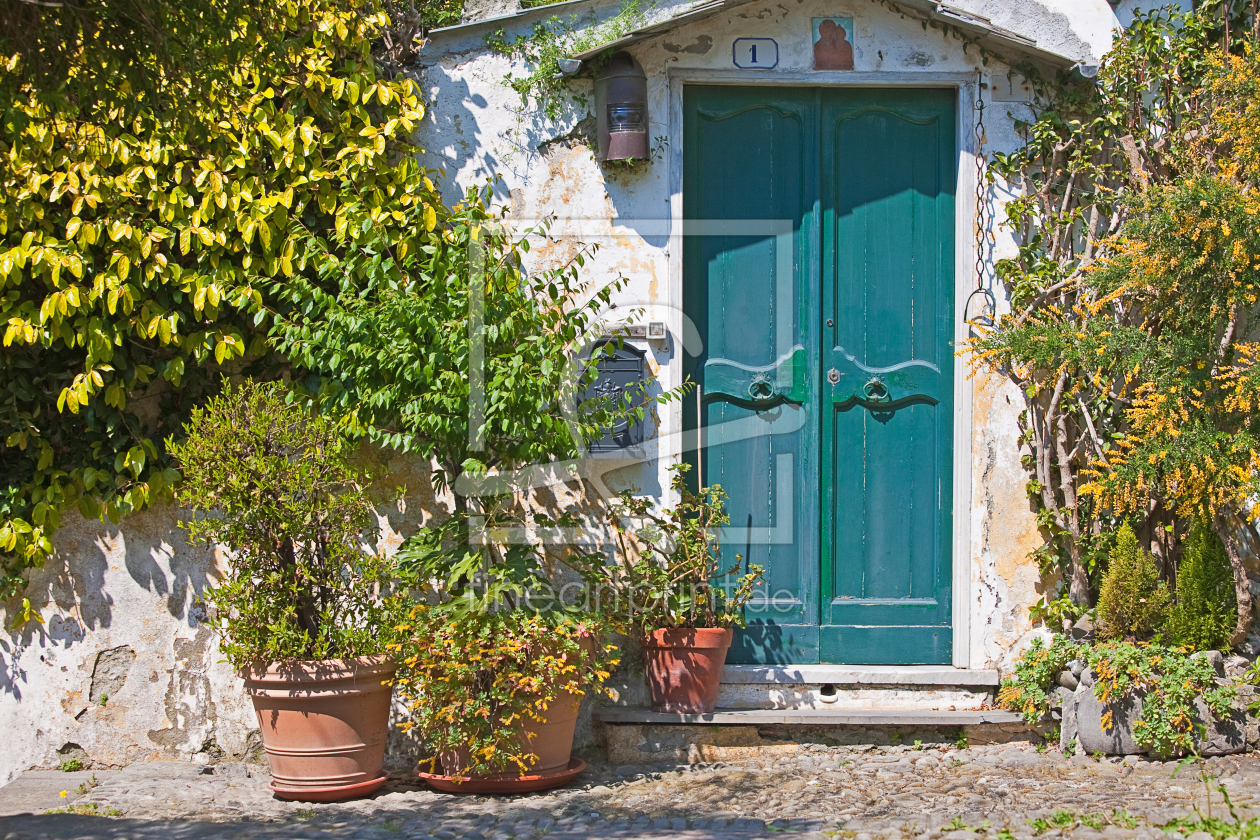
x,y
803,205
750,176
888,421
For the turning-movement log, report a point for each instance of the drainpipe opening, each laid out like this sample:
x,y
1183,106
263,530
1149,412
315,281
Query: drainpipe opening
x,y
828,693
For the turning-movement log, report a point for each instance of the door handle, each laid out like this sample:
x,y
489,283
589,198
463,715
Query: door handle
x,y
784,379
851,380
875,390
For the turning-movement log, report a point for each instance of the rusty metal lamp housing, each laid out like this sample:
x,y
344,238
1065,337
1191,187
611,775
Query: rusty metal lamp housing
x,y
621,110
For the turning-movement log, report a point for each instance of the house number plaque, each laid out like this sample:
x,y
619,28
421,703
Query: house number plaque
x,y
755,53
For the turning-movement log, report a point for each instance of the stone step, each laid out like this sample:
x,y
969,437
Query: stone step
x,y
845,688
838,675
811,717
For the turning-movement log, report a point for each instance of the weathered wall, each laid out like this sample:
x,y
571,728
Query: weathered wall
x,y
478,128
122,669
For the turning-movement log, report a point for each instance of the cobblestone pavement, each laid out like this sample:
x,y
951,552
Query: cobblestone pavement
x,y
845,792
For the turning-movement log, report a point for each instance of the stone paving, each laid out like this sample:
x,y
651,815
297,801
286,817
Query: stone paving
x,y
1009,792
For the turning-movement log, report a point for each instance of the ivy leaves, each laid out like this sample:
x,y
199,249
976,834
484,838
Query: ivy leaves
x,y
147,242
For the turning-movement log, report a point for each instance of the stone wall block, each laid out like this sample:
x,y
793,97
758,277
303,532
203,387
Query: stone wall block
x,y
1118,739
1068,722
1222,737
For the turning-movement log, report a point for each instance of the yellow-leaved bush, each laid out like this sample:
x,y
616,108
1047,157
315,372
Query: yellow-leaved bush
x,y
149,237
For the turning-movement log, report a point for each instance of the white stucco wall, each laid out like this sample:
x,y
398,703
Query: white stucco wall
x,y
121,669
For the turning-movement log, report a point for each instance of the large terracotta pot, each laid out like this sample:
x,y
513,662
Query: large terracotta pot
x,y
551,739
323,725
684,667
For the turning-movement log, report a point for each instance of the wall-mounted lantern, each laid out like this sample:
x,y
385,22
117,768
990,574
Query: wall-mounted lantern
x,y
621,110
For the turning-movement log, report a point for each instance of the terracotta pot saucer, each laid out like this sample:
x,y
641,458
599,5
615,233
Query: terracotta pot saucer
x,y
335,793
505,783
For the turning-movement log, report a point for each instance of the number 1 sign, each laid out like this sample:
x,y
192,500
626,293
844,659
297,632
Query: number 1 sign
x,y
755,53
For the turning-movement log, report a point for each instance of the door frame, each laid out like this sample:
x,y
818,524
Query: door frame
x,y
964,84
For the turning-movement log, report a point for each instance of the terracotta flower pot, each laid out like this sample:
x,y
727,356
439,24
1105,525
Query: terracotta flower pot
x,y
323,725
684,667
551,739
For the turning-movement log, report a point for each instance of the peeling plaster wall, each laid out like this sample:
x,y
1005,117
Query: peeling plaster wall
x,y
122,669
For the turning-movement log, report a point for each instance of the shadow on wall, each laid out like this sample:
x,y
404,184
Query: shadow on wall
x,y
152,549
450,134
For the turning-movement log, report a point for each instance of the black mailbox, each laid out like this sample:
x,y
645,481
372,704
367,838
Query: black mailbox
x,y
618,371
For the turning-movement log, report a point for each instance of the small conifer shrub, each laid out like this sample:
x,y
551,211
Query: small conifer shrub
x,y
1207,608
1134,601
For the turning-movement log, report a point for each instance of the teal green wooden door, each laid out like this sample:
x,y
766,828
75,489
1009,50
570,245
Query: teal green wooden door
x,y
827,375
751,182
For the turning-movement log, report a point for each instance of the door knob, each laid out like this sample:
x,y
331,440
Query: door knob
x,y
833,376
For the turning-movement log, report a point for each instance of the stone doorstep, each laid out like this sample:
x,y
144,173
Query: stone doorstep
x,y
810,717
849,688
763,735
867,675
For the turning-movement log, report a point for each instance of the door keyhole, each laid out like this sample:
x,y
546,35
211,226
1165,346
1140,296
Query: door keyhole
x,y
833,376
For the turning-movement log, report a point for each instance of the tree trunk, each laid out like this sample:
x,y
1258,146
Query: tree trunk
x,y
307,608
1224,528
1078,584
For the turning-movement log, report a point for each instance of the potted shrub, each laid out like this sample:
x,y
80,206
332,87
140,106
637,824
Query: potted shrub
x,y
300,607
670,588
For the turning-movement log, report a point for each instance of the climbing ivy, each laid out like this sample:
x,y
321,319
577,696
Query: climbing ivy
x,y
551,41
148,236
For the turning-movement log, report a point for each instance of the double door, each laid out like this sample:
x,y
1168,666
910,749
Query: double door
x,y
818,269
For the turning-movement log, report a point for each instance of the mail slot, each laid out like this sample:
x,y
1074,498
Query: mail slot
x,y
619,372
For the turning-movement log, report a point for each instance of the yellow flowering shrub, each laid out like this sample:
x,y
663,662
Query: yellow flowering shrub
x,y
470,683
149,236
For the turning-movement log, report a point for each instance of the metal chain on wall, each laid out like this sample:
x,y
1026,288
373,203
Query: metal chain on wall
x,y
983,222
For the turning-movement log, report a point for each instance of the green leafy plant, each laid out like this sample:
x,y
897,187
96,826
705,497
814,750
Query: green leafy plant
x,y
391,356
1058,612
86,809
71,765
166,176
279,488
552,41
1170,681
1134,600
1122,818
668,570
1060,819
1026,689
1206,611
471,683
